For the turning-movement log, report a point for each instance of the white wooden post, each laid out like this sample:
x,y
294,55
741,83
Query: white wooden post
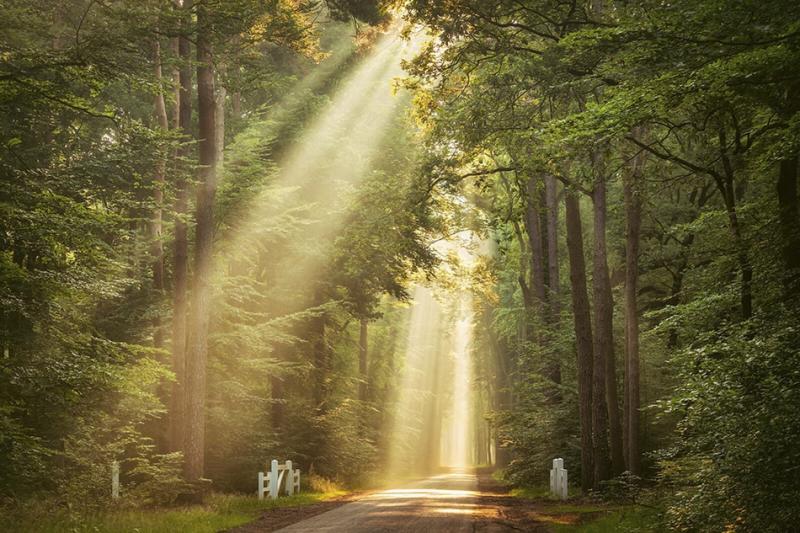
x,y
115,480
273,479
558,479
261,485
289,479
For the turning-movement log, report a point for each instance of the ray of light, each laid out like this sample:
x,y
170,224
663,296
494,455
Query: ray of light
x,y
412,429
329,159
457,442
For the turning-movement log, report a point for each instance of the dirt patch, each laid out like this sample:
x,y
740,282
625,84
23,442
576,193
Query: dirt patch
x,y
509,513
280,517
520,514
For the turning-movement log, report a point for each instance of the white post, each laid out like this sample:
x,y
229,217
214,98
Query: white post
x,y
289,479
558,479
273,479
261,485
115,480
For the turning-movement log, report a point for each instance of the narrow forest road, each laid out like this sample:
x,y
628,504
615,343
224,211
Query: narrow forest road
x,y
442,503
448,503
455,502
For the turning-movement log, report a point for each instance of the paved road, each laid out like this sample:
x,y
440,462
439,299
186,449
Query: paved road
x,y
445,503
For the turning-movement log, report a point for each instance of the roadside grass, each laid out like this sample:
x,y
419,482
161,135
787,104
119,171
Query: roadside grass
x,y
531,493
627,519
579,515
220,512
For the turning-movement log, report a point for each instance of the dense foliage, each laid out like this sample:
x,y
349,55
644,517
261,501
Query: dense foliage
x,y
675,124
213,218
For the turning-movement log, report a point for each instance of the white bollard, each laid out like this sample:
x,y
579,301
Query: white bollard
x,y
115,480
558,479
261,485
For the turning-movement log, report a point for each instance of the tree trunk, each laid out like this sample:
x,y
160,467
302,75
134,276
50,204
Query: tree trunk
x,y
633,208
605,378
219,135
534,230
551,197
175,50
502,386
551,203
156,221
181,250
236,105
583,345
727,187
363,370
197,351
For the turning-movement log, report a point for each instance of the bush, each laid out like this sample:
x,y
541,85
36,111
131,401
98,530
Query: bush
x,y
735,466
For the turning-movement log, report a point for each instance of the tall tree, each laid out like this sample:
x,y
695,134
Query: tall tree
x,y
584,350
159,182
181,243
553,282
633,183
197,348
605,376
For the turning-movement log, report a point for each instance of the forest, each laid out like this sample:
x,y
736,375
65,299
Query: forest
x,y
420,248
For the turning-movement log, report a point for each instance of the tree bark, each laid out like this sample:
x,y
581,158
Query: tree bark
x,y
534,230
219,134
633,208
181,245
583,345
156,221
605,377
551,197
197,352
553,288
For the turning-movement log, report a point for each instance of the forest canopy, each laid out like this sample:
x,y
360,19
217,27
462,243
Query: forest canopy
x,y
378,238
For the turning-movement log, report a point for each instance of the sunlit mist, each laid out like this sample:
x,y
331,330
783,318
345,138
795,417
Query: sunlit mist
x,y
434,407
457,438
323,167
416,425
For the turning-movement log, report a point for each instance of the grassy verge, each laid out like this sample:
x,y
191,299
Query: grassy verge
x,y
222,511
629,519
577,515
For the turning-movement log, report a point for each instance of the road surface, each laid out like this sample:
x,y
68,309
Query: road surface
x,y
447,503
